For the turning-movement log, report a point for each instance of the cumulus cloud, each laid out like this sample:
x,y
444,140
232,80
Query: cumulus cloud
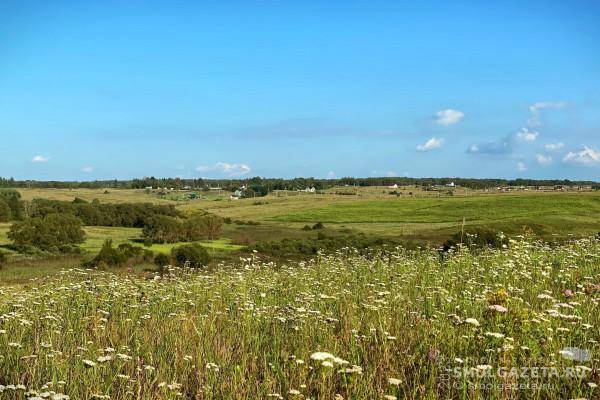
x,y
230,170
331,175
554,146
40,159
521,167
431,144
448,117
527,135
543,159
586,156
534,110
88,169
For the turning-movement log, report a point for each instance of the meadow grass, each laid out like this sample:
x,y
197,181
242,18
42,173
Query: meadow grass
x,y
401,324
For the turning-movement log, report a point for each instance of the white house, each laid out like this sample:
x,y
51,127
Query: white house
x,y
394,186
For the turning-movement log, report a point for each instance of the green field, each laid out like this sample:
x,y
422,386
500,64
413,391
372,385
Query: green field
x,y
472,209
405,326
423,217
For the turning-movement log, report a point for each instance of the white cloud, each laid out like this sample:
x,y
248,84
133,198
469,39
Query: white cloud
x,y
230,170
331,175
473,149
521,166
534,109
431,144
527,135
448,117
40,159
543,159
586,156
87,169
554,146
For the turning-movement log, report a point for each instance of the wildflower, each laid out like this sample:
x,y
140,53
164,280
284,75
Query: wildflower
x,y
390,397
498,308
394,381
89,363
328,357
472,321
568,293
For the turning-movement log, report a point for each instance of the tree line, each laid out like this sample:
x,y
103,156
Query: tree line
x,y
259,184
54,225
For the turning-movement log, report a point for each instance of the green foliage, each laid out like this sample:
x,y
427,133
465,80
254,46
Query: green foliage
x,y
318,225
477,239
51,232
108,255
190,255
302,248
119,256
3,259
133,215
11,206
164,229
162,260
5,211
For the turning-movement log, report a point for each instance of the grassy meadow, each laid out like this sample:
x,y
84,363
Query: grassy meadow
x,y
392,325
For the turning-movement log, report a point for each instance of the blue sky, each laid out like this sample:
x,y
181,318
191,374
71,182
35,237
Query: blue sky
x,y
95,90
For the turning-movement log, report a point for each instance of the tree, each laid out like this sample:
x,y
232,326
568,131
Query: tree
x,y
5,211
12,198
163,229
47,233
203,227
190,255
211,224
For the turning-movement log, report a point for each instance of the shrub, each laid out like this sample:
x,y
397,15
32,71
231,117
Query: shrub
x,y
191,255
477,238
161,260
3,259
108,255
47,233
307,228
116,257
318,225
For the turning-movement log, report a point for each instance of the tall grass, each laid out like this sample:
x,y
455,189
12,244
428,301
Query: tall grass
x,y
394,324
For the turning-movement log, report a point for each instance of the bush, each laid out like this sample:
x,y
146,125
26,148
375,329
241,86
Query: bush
x,y
318,225
47,233
108,255
162,260
190,255
116,257
477,238
307,228
3,259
